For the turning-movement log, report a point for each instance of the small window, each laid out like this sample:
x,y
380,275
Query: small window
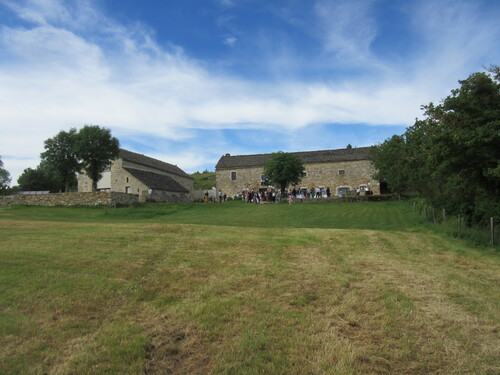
x,y
233,176
341,171
127,179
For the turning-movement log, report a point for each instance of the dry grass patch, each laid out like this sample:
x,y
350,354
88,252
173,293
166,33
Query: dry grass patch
x,y
189,299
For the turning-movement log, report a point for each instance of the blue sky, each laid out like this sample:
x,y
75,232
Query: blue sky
x,y
187,81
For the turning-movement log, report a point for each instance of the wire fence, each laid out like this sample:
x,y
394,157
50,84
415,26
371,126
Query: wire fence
x,y
455,225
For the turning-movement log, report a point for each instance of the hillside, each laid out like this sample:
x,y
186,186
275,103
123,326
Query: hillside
x,y
204,180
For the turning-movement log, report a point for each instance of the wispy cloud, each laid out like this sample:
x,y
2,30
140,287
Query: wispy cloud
x,y
348,28
66,66
230,41
226,3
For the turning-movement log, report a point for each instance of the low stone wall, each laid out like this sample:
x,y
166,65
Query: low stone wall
x,y
101,198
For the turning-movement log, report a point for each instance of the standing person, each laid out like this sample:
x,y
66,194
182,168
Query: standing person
x,y
290,199
278,196
224,197
205,199
220,196
256,197
328,192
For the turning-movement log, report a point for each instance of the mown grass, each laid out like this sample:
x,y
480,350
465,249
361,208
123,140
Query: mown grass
x,y
339,215
127,291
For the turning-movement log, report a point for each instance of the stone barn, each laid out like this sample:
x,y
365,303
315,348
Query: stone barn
x,y
149,178
340,170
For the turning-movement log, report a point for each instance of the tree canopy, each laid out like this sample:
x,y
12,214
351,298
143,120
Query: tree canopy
x,y
61,156
4,176
451,156
43,177
96,149
284,169
91,150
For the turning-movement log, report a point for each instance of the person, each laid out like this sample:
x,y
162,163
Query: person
x,y
205,199
224,197
278,196
328,192
290,199
220,196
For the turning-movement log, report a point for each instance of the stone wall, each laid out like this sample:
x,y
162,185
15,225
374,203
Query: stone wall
x,y
70,199
355,174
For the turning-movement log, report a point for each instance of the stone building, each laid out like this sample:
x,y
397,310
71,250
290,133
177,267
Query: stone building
x,y
149,178
340,170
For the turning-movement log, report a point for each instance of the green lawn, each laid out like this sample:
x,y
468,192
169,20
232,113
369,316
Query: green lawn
x,y
337,215
337,288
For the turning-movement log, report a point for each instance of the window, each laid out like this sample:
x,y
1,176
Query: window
x,y
233,176
127,179
128,190
263,180
341,171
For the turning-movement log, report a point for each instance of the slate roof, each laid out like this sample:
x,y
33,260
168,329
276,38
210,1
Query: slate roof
x,y
153,163
308,157
157,181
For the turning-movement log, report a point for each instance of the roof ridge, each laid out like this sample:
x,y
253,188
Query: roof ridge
x,y
148,161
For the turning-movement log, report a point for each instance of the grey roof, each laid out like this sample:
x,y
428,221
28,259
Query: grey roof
x,y
325,156
153,163
157,181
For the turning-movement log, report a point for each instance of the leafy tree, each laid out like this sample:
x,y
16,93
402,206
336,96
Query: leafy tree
x,y
61,156
452,155
458,143
42,178
96,149
4,177
391,161
284,169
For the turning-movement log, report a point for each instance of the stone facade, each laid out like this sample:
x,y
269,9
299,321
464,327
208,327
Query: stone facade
x,y
337,174
149,178
100,198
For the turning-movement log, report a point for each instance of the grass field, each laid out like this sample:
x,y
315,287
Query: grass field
x,y
344,288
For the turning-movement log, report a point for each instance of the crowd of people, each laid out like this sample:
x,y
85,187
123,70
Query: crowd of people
x,y
275,196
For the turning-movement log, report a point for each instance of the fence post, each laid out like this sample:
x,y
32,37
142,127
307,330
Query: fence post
x,y
459,225
492,225
433,215
414,206
444,214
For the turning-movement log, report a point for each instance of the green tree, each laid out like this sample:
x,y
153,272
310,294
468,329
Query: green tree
x,y
4,178
391,162
454,152
96,149
284,169
42,178
61,156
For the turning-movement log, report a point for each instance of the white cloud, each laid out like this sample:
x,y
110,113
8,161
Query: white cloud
x,y
230,41
56,74
348,28
226,3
